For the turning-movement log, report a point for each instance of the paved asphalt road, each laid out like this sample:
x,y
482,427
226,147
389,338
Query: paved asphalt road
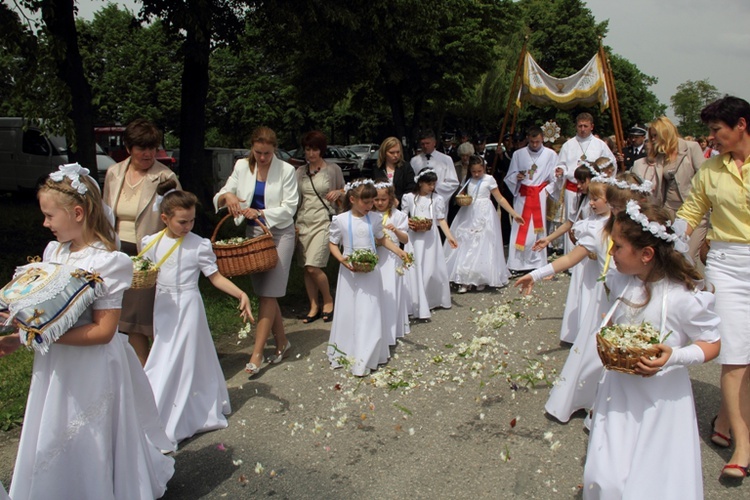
x,y
458,412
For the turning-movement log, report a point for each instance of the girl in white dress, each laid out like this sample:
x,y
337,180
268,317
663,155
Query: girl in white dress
x,y
479,260
644,435
395,295
428,282
183,367
574,308
358,337
576,387
87,430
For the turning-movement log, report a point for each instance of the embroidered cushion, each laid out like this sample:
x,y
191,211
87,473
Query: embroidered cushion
x,y
46,299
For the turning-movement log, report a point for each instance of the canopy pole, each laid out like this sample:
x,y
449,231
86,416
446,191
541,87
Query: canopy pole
x,y
614,106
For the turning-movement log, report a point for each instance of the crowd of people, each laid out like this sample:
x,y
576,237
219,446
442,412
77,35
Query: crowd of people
x,y
635,226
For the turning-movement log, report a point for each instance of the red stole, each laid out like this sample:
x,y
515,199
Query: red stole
x,y
532,211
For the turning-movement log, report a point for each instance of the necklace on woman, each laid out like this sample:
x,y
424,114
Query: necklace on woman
x,y
314,169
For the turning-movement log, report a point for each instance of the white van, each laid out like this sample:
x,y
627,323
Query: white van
x,y
27,156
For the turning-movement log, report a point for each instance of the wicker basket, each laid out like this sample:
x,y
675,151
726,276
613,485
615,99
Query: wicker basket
x,y
463,200
144,279
621,359
255,255
420,225
362,267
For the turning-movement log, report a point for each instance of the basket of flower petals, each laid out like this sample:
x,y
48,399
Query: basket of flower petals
x,y
420,224
621,347
363,260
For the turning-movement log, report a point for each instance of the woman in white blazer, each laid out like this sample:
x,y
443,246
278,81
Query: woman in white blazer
x,y
263,187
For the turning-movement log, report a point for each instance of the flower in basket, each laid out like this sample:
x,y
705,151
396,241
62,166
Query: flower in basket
x,y
237,240
641,336
406,263
362,259
142,264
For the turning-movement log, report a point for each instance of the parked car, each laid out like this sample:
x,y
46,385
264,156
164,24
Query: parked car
x,y
110,139
28,155
348,153
362,150
349,166
369,165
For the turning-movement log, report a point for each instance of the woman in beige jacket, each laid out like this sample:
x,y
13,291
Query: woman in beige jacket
x,y
670,165
130,189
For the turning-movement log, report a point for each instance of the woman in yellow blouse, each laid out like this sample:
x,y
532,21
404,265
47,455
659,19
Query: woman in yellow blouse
x,y
722,185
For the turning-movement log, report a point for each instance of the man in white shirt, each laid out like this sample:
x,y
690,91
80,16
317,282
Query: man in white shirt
x,y
447,182
583,147
531,178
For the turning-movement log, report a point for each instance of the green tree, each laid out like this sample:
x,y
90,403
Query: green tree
x,y
133,69
417,55
691,97
202,25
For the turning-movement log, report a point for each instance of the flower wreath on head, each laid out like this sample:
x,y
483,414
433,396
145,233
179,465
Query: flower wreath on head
x,y
423,172
645,187
72,171
633,209
551,131
361,182
605,165
591,168
382,185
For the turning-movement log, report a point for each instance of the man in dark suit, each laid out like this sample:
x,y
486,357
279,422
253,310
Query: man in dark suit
x,y
448,147
636,148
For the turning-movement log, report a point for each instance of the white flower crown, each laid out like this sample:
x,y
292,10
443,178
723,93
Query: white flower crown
x,y
605,165
591,168
360,182
633,209
645,187
72,171
382,185
421,173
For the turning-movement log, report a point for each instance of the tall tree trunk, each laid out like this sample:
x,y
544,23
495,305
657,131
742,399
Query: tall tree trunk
x,y
196,174
58,16
396,102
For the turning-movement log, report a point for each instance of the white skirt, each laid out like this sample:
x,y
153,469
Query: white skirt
x,y
357,335
728,271
644,439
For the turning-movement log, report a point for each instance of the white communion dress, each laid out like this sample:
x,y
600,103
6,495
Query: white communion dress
x,y
184,370
579,378
90,428
428,282
644,435
395,294
479,258
358,339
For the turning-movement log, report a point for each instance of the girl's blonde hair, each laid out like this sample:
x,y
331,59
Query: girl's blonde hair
x,y
391,190
261,135
597,190
663,136
390,143
96,226
617,198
